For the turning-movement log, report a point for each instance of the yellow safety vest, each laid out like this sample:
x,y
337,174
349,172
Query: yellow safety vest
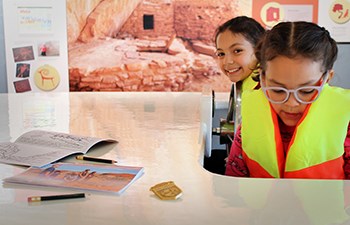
x,y
318,138
249,83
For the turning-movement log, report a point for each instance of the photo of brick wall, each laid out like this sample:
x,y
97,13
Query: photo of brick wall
x,y
146,45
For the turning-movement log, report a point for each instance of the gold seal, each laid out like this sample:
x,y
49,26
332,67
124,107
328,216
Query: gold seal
x,y
167,190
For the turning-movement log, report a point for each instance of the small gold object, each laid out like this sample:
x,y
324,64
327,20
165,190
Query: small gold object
x,y
167,190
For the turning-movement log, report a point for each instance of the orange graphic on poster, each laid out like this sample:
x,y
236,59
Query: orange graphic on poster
x,y
339,11
46,78
269,13
272,13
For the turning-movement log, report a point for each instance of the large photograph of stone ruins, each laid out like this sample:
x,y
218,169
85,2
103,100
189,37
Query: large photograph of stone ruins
x,y
146,45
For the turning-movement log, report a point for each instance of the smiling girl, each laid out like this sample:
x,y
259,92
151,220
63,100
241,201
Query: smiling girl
x,y
235,41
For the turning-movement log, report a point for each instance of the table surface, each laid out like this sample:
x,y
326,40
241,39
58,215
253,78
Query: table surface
x,y
159,131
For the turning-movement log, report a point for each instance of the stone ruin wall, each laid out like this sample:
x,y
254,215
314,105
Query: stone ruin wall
x,y
168,74
163,21
137,76
189,20
197,20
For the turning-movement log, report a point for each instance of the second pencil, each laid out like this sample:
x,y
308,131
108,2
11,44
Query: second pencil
x,y
95,159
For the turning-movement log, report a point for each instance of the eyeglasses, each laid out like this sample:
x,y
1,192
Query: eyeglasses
x,y
304,95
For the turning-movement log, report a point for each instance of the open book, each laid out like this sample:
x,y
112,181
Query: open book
x,y
38,148
97,177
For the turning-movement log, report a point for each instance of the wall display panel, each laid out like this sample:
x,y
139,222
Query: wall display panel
x,y
36,45
163,46
335,16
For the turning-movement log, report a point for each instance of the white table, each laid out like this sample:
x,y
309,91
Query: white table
x,y
159,131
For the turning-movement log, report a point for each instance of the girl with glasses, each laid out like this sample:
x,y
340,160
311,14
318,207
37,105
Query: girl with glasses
x,y
296,125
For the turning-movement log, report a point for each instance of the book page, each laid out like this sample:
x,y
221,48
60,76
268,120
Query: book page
x,y
38,148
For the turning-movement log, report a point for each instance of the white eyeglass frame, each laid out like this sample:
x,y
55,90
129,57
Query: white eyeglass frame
x,y
294,91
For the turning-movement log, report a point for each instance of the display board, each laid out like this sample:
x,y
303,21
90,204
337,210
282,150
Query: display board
x,y
36,45
334,15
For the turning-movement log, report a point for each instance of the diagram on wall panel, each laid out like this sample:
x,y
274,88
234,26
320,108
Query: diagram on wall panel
x,y
36,45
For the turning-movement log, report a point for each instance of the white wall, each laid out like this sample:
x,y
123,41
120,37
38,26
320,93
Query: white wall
x,y
3,76
342,67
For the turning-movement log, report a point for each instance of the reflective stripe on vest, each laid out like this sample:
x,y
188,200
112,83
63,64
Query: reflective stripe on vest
x,y
317,139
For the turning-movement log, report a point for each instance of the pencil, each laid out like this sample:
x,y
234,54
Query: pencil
x,y
94,159
55,197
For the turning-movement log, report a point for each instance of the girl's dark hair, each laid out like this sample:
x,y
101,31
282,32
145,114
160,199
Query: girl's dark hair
x,y
246,26
293,39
